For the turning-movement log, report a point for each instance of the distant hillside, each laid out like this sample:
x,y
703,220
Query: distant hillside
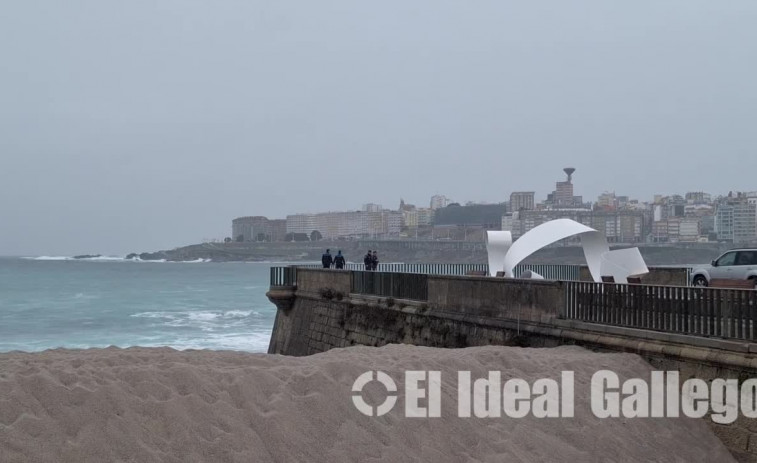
x,y
412,252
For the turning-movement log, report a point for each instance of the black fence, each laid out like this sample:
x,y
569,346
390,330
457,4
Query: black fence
x,y
283,276
397,285
549,271
724,313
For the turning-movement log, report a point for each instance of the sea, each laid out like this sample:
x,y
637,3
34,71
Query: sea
x,y
59,302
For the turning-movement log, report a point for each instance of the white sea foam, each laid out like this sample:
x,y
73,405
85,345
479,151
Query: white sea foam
x,y
285,262
238,313
256,341
205,320
114,259
203,316
86,259
153,315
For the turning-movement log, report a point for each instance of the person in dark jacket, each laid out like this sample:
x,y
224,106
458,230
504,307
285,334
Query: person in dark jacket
x,y
339,260
374,261
326,259
368,260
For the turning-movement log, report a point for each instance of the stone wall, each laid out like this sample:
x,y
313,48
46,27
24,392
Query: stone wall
x,y
664,276
315,280
320,314
502,298
332,324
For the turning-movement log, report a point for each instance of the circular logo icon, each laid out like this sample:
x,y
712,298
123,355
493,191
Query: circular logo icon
x,y
357,389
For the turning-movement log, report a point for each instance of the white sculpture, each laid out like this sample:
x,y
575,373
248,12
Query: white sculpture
x,y
497,245
504,255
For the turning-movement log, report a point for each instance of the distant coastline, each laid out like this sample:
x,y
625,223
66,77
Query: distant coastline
x,y
401,251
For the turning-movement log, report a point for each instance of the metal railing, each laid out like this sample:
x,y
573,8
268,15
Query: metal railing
x,y
548,271
283,276
724,313
390,284
430,269
562,272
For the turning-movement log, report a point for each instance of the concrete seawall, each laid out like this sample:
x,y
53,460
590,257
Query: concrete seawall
x,y
672,276
321,313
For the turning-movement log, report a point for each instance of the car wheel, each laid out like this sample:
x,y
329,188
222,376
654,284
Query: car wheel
x,y
700,281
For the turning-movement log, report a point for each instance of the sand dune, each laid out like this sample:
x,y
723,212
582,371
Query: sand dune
x,y
151,405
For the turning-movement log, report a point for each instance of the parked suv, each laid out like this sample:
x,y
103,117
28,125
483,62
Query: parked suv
x,y
736,264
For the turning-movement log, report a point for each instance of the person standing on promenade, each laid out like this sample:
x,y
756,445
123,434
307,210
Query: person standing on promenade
x,y
374,261
368,260
326,259
339,260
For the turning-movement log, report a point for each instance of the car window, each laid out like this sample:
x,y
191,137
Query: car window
x,y
727,259
746,258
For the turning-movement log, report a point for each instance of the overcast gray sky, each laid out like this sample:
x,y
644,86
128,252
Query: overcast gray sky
x,y
142,125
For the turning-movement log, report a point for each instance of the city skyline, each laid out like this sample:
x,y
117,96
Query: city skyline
x,y
425,205
694,216
391,205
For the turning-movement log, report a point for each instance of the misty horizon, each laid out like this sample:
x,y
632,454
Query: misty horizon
x,y
130,127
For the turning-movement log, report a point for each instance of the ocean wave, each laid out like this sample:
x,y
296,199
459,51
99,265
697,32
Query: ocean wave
x,y
285,262
89,259
254,341
152,315
205,320
114,259
239,313
204,316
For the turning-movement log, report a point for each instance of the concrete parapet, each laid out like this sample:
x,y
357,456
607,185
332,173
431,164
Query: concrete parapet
x,y
535,300
309,279
661,276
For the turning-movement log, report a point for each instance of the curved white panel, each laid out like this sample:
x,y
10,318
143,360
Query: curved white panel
x,y
497,245
530,275
594,245
621,263
540,236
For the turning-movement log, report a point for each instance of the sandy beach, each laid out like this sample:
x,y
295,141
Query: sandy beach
x,y
162,405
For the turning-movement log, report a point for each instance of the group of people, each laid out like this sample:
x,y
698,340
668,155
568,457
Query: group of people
x,y
328,261
370,260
